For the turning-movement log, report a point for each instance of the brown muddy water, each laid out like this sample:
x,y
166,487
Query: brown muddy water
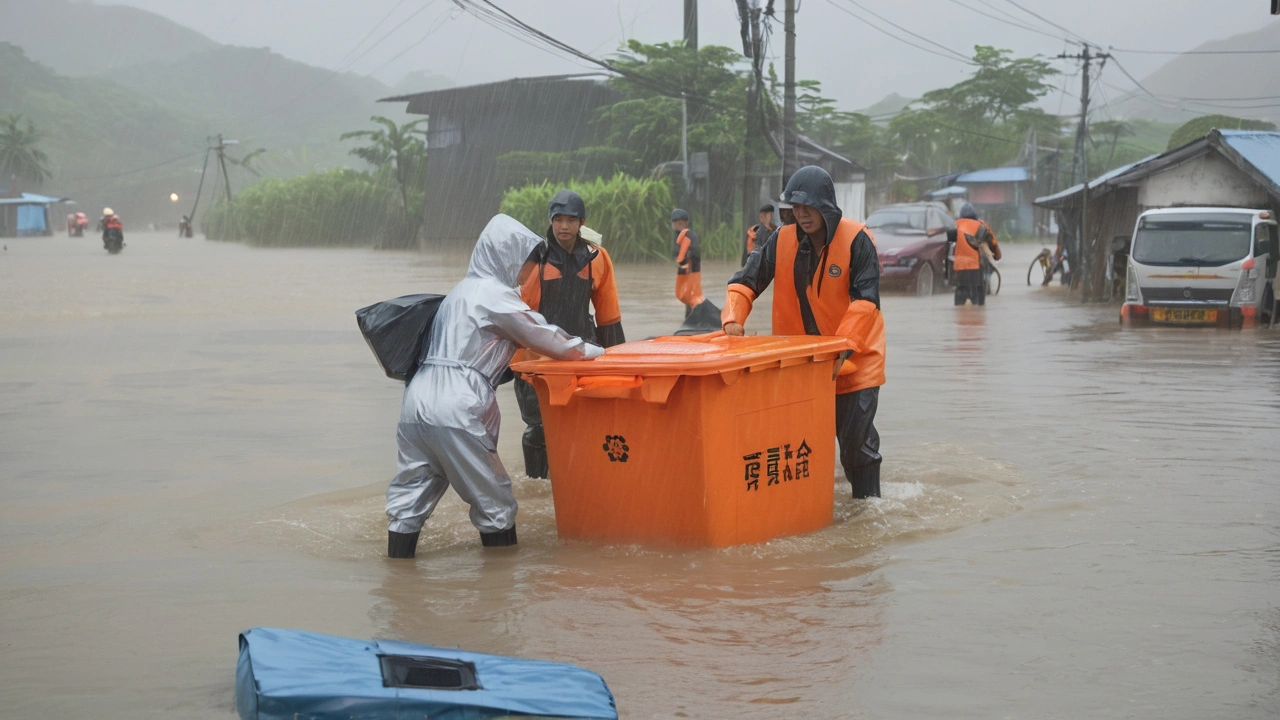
x,y
1078,521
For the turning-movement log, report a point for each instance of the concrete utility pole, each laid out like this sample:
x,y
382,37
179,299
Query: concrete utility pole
x,y
790,161
753,47
1082,245
691,23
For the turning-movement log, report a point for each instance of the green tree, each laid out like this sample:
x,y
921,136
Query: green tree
x,y
851,134
399,151
647,119
1198,128
980,121
1114,129
20,155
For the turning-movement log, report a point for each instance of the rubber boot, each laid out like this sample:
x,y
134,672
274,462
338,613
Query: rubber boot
x,y
401,545
535,452
502,538
866,481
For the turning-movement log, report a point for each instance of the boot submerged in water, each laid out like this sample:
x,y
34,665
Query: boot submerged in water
x,y
401,545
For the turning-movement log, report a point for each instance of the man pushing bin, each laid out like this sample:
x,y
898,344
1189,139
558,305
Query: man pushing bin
x,y
826,279
563,279
448,430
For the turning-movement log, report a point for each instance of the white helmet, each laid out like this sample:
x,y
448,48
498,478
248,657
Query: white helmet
x,y
108,212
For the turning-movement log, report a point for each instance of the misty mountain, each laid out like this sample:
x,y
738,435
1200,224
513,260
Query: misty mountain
x,y
79,38
1189,86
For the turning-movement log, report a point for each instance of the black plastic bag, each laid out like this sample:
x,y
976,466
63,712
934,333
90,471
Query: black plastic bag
x,y
396,329
704,318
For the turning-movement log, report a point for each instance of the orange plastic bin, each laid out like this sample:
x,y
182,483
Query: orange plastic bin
x,y
694,441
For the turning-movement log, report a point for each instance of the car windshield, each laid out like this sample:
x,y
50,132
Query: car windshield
x,y
897,219
1193,239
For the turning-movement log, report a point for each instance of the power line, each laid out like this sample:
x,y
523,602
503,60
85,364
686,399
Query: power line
x,y
120,173
1195,52
1044,19
372,30
1006,20
895,37
871,12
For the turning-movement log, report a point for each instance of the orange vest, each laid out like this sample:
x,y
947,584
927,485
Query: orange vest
x,y
967,257
835,315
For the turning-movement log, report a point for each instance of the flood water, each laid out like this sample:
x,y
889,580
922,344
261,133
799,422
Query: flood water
x,y
1077,521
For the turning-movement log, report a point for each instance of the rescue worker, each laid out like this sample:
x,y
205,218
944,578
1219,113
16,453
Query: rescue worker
x,y
110,223
563,279
688,255
784,214
970,282
448,430
759,232
827,277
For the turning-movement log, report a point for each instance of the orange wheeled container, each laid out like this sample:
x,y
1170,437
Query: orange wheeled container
x,y
706,440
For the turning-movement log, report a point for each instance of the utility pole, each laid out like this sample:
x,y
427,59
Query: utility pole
x,y
1082,246
753,47
220,150
691,24
789,155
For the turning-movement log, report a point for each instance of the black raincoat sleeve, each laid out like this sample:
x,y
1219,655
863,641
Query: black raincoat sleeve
x,y
864,270
610,335
757,274
748,283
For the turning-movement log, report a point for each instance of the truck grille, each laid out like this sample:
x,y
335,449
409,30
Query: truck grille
x,y
1151,295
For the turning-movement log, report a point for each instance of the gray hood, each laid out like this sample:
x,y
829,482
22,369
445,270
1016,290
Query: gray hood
x,y
812,186
501,250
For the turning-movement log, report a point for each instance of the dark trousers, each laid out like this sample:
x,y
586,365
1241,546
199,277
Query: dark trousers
x,y
534,440
859,441
970,285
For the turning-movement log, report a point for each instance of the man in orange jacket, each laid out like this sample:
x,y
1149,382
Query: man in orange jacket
x,y
758,233
563,278
688,255
827,282
969,235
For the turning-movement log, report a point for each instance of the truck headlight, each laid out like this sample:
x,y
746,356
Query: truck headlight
x,y
1131,285
1246,289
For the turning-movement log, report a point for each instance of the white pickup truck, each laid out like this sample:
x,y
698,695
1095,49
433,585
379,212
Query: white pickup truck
x,y
1201,266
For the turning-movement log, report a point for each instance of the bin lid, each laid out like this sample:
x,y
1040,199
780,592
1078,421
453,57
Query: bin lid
x,y
692,355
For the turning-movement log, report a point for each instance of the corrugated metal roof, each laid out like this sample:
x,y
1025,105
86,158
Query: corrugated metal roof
x,y
949,190
31,199
991,175
1259,149
1100,180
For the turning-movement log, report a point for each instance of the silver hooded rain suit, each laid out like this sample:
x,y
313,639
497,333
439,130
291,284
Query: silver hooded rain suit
x,y
448,431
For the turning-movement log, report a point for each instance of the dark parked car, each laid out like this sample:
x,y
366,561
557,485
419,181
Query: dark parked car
x,y
911,239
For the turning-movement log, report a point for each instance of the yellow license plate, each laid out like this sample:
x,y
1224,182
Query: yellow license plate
x,y
1184,315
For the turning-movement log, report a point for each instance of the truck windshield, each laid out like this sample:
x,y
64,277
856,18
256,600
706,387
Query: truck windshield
x,y
1192,239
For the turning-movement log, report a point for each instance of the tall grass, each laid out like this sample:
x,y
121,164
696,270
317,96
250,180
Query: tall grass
x,y
338,207
632,214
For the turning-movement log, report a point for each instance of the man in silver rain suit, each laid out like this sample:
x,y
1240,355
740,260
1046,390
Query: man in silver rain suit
x,y
448,431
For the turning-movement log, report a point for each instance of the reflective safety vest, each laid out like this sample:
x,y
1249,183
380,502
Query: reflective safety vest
x,y
828,300
970,235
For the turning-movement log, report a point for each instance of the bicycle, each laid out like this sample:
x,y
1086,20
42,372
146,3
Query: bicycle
x,y
990,273
1044,266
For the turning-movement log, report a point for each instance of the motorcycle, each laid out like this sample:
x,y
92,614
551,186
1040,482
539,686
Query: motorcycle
x,y
76,224
113,240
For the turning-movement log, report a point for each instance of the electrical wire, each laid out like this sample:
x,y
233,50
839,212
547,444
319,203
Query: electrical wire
x,y
872,25
1194,52
871,12
1041,18
1006,20
119,173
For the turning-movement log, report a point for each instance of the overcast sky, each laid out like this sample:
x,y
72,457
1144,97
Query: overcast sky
x,y
857,63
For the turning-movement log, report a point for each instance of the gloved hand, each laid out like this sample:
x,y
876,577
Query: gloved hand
x,y
593,351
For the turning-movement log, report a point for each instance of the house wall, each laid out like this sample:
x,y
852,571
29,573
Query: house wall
x,y
851,198
1206,180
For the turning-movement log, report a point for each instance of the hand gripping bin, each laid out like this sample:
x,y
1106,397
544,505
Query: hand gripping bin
x,y
693,441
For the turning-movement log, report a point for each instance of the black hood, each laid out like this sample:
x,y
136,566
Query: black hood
x,y
812,186
967,211
567,202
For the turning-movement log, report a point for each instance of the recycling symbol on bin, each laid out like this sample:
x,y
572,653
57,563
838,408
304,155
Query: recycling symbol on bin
x,y
617,447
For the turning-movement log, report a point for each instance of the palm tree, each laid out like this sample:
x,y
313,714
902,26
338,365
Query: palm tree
x,y
395,146
19,156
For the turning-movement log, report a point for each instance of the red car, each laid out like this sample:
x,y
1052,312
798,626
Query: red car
x,y
911,239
